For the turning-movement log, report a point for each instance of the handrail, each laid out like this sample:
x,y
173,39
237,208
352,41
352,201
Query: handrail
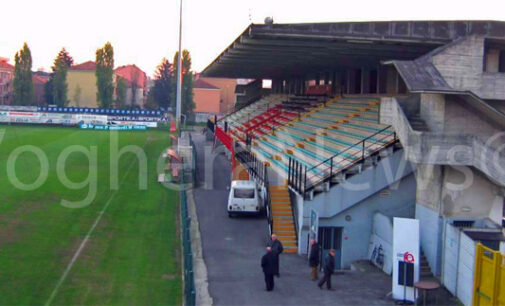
x,y
297,176
352,161
354,145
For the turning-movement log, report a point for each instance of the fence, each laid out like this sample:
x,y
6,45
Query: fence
x,y
489,277
189,279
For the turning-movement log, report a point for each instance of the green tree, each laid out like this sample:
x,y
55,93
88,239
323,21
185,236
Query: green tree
x,y
48,91
161,93
23,82
121,89
77,95
104,75
187,103
59,86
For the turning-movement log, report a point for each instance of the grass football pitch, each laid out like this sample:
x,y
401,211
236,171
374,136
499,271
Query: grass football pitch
x,y
122,248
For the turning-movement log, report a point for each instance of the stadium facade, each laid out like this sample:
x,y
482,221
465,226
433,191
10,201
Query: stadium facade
x,y
367,121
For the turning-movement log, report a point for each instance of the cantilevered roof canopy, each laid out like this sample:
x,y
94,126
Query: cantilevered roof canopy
x,y
287,50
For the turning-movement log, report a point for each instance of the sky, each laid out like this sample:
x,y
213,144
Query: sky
x,y
142,32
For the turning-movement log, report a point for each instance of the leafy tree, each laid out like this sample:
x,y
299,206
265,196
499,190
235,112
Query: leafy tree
x,y
187,103
23,83
134,85
104,75
77,95
121,89
59,85
161,93
48,91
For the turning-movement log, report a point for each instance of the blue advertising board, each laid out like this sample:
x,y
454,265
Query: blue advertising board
x,y
86,110
102,127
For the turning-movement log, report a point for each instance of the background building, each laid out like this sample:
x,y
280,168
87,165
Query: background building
x,y
213,96
136,82
81,80
6,76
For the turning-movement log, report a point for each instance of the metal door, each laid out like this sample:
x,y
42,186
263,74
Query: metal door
x,y
331,238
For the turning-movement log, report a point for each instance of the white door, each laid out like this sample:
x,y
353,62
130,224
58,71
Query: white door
x,y
466,262
451,249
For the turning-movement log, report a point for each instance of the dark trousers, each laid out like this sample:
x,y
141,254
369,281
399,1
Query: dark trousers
x,y
326,279
269,280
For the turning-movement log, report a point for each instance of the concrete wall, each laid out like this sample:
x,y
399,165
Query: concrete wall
x,y
469,141
432,111
397,201
360,186
467,193
462,66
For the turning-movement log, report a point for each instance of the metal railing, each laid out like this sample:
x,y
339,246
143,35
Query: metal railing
x,y
256,168
189,279
304,179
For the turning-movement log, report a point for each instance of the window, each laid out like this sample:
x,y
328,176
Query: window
x,y
243,193
494,56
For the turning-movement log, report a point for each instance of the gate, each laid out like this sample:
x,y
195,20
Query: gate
x,y
489,277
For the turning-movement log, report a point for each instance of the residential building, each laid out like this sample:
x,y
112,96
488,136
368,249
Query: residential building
x,y
136,82
82,89
6,77
207,100
39,82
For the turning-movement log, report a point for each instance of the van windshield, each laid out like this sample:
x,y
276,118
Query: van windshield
x,y
243,193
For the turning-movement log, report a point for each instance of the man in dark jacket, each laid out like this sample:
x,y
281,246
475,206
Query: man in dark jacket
x,y
277,249
313,259
329,266
268,265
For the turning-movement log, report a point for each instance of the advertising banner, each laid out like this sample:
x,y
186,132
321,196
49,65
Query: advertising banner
x,y
102,127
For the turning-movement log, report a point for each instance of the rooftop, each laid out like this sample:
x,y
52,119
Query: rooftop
x,y
286,50
86,66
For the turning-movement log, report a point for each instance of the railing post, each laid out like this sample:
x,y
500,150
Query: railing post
x,y
305,181
289,171
363,151
331,166
299,177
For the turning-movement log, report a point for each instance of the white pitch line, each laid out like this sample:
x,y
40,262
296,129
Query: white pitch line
x,y
83,243
78,252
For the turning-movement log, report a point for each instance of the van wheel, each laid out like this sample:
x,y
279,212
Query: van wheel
x,y
230,215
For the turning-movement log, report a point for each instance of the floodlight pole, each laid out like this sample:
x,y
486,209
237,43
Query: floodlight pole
x,y
179,73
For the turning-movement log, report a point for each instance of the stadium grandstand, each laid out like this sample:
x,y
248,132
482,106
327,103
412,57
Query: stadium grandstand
x,y
350,104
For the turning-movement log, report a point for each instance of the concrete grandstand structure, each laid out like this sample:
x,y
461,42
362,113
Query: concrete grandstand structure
x,y
367,121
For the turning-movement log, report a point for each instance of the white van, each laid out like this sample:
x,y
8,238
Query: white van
x,y
243,198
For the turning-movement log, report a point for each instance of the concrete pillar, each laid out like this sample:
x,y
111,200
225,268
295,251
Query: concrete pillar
x,y
365,80
326,78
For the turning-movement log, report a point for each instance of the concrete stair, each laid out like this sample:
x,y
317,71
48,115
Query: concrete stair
x,y
284,226
418,123
424,268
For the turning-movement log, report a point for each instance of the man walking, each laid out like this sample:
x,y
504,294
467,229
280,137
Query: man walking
x,y
277,249
313,259
268,265
329,266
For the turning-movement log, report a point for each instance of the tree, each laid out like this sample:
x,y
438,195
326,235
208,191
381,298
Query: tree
x,y
121,89
187,103
23,82
59,86
161,93
134,84
48,91
77,95
104,75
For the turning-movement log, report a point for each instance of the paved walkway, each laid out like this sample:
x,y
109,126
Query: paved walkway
x,y
232,249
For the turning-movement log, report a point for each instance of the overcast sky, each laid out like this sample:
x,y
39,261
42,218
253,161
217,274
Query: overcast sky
x,y
145,31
